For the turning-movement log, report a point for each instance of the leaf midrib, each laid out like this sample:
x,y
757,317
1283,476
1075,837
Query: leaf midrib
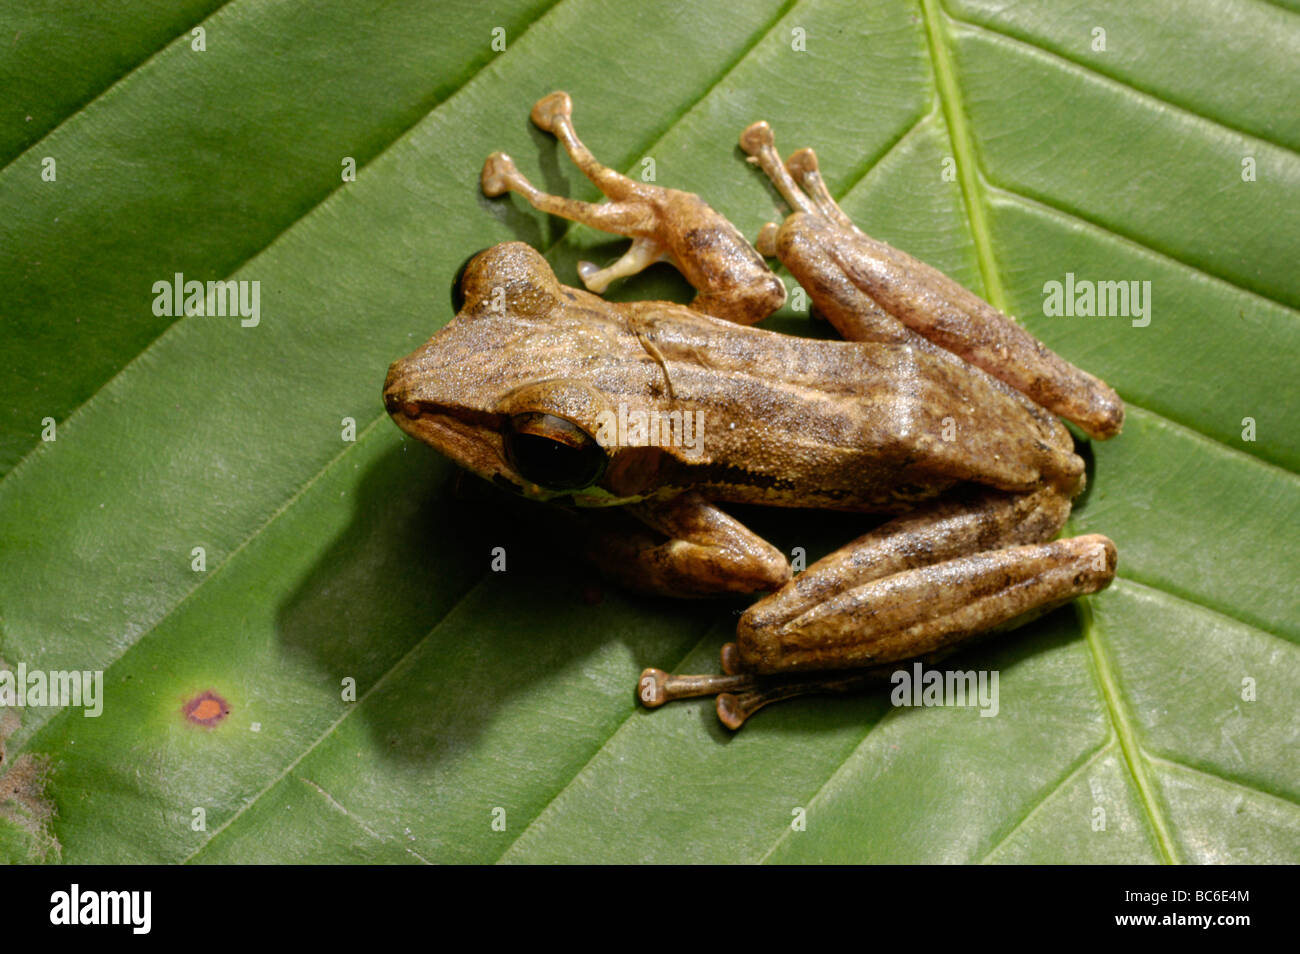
x,y
1064,63
974,185
964,147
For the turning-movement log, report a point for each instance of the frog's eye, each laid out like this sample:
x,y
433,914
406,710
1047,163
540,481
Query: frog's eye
x,y
552,452
457,291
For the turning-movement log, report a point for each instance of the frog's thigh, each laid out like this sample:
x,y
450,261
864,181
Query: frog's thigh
x,y
938,531
929,609
889,587
698,550
931,304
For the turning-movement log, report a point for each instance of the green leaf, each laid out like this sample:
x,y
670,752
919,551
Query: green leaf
x,y
1164,706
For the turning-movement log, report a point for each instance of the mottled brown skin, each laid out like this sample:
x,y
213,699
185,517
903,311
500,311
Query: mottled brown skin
x,y
939,409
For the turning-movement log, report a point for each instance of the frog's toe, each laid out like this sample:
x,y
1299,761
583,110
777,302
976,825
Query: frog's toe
x,y
732,712
498,170
548,110
586,271
802,162
756,136
766,241
650,688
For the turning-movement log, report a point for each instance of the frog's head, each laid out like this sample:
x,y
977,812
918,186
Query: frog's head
x,y
516,386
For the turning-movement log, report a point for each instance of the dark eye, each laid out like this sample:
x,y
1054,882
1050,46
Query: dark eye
x,y
457,292
552,452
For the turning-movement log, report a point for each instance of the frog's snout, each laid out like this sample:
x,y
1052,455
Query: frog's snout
x,y
399,398
393,390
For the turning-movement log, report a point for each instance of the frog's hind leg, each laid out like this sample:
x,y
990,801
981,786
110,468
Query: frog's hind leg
x,y
914,588
872,291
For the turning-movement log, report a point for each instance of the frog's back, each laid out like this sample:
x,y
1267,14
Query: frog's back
x,y
791,421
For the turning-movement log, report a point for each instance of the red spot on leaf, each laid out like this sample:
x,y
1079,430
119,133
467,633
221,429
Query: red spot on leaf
x,y
207,709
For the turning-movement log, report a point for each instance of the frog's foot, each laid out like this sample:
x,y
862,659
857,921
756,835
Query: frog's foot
x,y
643,253
740,696
554,114
655,687
802,165
500,175
757,140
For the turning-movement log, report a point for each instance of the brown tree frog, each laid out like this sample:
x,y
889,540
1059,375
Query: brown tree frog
x,y
935,408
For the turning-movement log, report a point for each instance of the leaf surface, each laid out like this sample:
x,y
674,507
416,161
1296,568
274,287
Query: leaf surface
x,y
1163,707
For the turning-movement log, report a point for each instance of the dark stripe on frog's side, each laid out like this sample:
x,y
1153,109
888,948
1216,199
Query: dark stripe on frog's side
x,y
652,471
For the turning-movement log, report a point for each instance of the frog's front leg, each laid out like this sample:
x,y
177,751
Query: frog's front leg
x,y
684,546
915,587
872,291
732,279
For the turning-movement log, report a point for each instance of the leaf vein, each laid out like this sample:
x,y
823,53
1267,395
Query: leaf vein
x,y
1070,63
288,227
1070,775
1070,214
618,727
104,90
1200,605
1288,801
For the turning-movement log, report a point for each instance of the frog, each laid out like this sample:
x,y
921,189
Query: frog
x,y
932,409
